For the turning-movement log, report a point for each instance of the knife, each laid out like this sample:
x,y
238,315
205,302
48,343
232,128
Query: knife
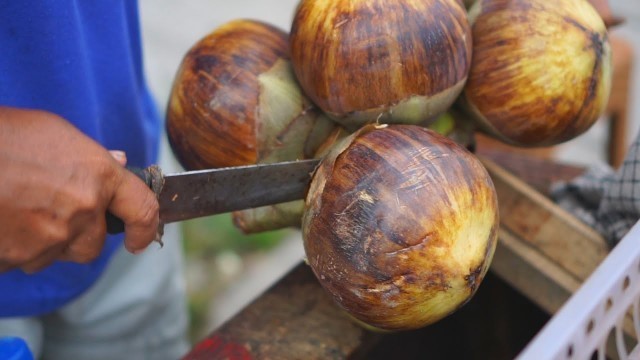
x,y
193,194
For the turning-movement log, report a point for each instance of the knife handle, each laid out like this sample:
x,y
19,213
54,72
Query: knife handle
x,y
115,224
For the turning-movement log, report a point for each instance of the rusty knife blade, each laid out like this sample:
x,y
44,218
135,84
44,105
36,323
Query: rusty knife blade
x,y
194,194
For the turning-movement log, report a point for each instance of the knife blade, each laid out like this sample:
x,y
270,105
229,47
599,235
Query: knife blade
x,y
193,194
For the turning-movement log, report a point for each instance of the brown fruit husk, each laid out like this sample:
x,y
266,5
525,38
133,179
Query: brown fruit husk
x,y
291,128
367,61
211,115
541,70
235,101
400,225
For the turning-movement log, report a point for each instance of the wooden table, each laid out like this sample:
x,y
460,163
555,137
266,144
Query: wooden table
x,y
542,257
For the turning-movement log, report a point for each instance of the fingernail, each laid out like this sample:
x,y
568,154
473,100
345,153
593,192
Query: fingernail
x,y
138,251
120,156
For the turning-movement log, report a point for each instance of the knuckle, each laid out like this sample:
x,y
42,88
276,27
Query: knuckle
x,y
106,169
87,202
86,192
57,235
16,257
91,185
86,247
74,205
84,258
110,173
82,255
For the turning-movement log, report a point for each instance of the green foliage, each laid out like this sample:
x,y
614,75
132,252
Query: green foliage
x,y
204,240
198,305
206,237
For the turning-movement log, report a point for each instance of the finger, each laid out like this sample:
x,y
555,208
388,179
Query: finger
x,y
137,206
86,246
31,253
43,260
31,257
120,156
88,239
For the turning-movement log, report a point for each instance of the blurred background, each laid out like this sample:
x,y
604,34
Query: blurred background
x,y
225,270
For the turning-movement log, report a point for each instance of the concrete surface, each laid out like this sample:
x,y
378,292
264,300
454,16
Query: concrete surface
x,y
170,27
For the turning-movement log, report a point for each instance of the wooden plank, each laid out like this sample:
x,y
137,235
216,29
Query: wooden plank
x,y
539,173
544,252
536,276
554,232
295,319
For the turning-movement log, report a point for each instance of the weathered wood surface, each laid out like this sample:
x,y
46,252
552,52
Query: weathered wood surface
x,y
543,253
293,318
553,247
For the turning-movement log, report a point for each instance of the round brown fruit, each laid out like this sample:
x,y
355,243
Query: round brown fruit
x,y
541,70
400,225
363,61
212,111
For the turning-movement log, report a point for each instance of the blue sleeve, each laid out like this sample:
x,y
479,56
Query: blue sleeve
x,y
81,60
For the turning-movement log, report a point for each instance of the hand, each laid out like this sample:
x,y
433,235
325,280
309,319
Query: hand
x,y
56,184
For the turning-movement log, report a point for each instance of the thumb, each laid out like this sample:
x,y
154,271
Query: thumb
x,y
137,206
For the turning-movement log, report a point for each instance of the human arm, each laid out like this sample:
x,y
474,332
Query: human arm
x,y
56,185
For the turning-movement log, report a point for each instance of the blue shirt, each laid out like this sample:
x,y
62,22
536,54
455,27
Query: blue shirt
x,y
81,60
